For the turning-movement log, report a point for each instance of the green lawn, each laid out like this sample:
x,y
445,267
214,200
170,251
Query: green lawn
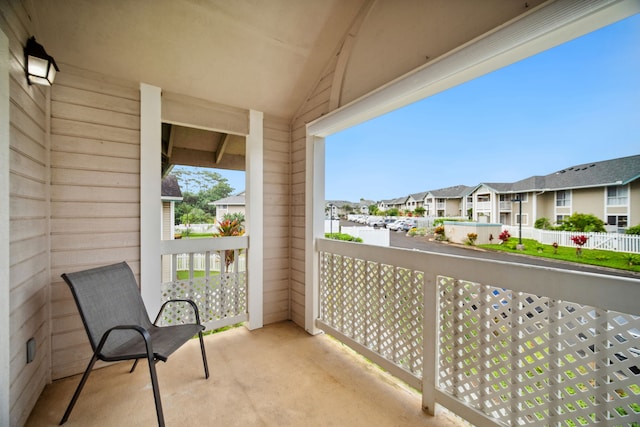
x,y
184,274
619,260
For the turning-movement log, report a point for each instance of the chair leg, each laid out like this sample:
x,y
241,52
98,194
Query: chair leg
x,y
133,368
204,356
156,390
79,389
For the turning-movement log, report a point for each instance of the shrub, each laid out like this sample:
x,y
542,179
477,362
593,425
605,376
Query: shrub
x,y
633,230
504,236
579,241
542,224
471,238
417,231
585,223
632,259
343,237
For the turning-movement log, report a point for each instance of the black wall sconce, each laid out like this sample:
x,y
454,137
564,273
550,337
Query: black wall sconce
x,y
39,66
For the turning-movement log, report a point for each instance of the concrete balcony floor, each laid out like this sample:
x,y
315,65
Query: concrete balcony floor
x,y
275,376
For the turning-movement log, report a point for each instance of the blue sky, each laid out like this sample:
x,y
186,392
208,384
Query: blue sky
x,y
576,103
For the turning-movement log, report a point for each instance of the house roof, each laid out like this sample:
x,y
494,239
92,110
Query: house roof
x,y
453,192
237,200
618,171
419,196
171,189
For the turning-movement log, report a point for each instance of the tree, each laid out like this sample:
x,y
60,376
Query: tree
x,y
419,211
199,187
393,212
373,210
586,223
196,216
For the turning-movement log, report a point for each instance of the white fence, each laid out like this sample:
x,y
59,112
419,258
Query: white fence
x,y
197,228
499,344
200,260
369,235
605,241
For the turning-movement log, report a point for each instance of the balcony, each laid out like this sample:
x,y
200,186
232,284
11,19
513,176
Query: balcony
x,y
495,343
274,376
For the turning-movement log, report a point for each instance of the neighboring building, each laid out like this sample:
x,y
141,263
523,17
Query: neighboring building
x,y
342,208
170,194
446,202
415,200
608,189
230,205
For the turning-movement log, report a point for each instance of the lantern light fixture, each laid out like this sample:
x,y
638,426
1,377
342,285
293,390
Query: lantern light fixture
x,y
40,67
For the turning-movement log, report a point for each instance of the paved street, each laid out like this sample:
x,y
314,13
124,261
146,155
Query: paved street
x,y
401,240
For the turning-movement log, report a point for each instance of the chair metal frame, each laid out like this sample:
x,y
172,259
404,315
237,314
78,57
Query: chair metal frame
x,y
149,354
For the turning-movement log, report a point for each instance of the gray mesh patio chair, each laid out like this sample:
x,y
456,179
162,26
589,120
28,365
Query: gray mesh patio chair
x,y
119,328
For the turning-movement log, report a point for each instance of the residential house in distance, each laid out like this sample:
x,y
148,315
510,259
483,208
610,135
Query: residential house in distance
x,y
608,189
229,205
415,200
449,201
399,203
171,194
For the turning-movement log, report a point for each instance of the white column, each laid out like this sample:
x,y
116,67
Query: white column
x,y
150,193
255,217
314,226
5,349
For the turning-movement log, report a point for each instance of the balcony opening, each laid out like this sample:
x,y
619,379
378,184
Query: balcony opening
x,y
448,326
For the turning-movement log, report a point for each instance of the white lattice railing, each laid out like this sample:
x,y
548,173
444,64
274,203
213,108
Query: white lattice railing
x,y
211,272
499,344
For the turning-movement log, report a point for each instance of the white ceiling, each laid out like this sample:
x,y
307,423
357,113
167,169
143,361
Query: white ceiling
x,y
221,50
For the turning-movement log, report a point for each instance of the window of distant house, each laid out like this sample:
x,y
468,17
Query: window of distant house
x,y
525,219
617,220
617,195
563,198
560,218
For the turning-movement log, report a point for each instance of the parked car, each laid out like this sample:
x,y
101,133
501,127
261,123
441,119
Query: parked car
x,y
388,221
380,222
396,225
408,225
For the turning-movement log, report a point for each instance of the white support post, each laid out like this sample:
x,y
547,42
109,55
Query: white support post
x,y
314,225
255,217
150,193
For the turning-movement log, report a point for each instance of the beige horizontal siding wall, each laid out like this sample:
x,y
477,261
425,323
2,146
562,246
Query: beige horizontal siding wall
x,y
276,220
28,238
95,195
316,105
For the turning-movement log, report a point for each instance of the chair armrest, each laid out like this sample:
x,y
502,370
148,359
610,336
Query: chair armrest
x,y
142,331
191,302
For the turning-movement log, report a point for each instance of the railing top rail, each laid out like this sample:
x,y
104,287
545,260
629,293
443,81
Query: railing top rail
x,y
203,245
616,293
